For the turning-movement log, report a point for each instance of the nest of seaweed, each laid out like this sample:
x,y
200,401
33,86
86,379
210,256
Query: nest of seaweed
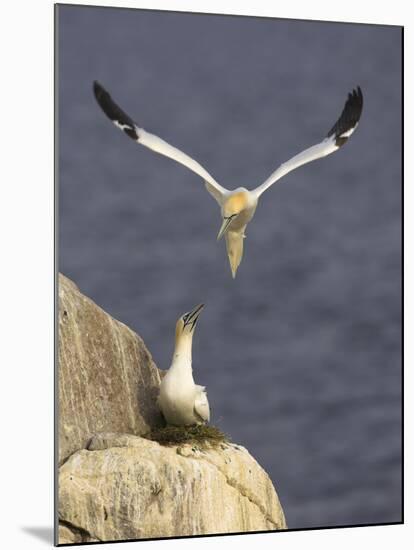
x,y
201,435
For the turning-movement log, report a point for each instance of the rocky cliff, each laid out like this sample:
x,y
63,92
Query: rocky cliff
x,y
107,378
116,485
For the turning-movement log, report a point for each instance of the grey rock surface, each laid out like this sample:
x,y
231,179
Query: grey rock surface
x,y
127,487
107,378
116,485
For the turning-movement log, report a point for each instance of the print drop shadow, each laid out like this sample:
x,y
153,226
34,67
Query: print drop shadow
x,y
42,533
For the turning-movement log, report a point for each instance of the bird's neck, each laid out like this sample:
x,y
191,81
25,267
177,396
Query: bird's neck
x,y
183,352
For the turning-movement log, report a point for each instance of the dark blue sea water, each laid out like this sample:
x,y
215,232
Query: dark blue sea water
x,y
301,354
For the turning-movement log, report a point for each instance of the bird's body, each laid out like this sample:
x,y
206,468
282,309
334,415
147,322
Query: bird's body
x,y
243,201
240,200
178,396
239,205
181,400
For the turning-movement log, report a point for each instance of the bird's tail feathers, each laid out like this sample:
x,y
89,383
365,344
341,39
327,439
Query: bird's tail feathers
x,y
234,244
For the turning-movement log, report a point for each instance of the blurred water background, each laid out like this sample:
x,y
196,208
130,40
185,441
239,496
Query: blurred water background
x,y
301,354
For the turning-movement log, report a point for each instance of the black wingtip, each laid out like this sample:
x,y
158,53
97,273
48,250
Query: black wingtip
x,y
99,91
350,116
104,100
361,97
112,110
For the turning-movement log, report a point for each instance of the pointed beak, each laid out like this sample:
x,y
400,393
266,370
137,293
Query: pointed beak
x,y
196,311
224,227
193,316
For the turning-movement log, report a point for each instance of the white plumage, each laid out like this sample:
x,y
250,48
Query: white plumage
x,y
237,206
181,400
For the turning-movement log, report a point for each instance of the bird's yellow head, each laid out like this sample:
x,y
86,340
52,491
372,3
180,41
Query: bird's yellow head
x,y
186,323
231,208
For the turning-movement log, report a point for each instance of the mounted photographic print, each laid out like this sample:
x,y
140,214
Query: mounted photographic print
x,y
229,290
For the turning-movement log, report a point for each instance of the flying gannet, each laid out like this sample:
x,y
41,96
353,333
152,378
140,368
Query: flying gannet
x,y
182,402
237,206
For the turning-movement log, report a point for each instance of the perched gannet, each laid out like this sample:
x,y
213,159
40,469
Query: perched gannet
x,y
237,206
181,401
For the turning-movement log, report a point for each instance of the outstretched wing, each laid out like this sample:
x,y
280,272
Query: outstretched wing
x,y
125,123
201,406
337,136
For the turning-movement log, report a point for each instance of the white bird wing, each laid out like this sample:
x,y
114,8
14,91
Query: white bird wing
x,y
201,406
337,136
131,129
